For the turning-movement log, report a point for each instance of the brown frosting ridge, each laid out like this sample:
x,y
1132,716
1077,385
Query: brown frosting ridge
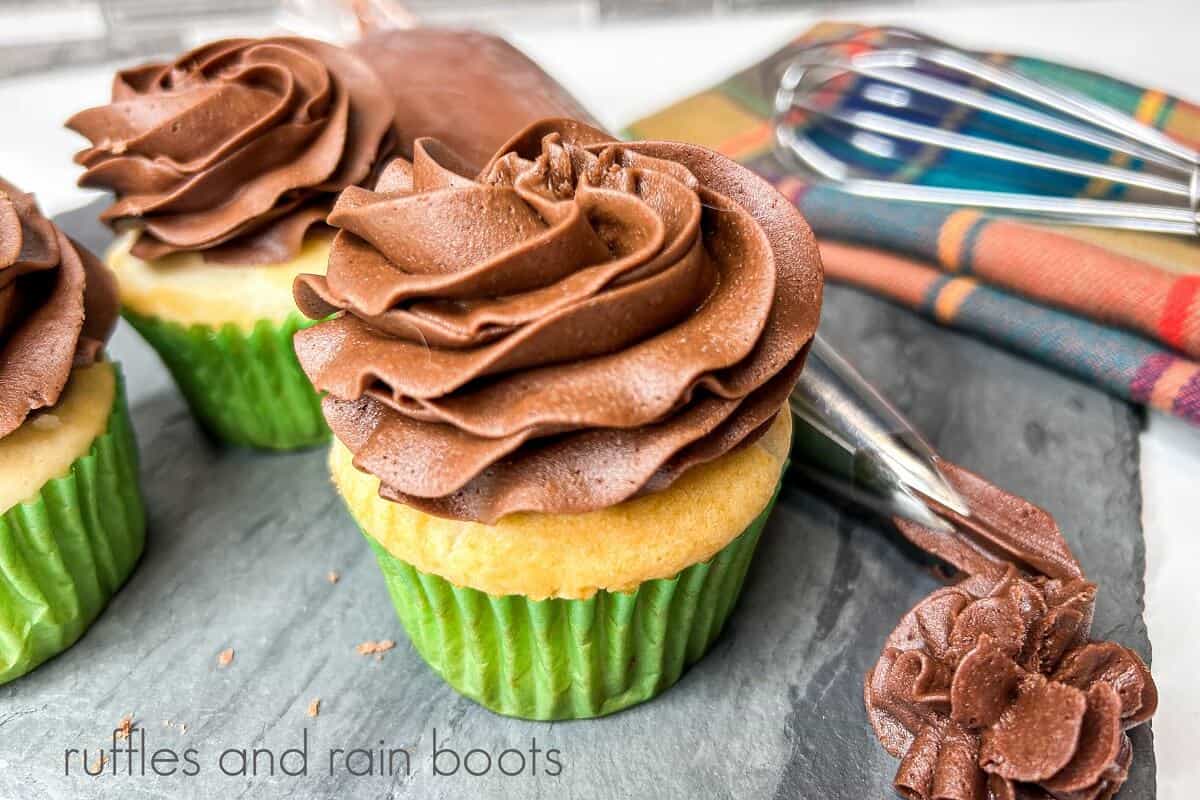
x,y
992,689
58,306
577,324
236,148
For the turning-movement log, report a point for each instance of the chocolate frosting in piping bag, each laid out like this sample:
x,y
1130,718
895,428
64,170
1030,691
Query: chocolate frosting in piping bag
x,y
239,147
470,90
576,325
58,306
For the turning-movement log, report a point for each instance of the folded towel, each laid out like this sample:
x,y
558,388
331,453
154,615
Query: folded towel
x,y
1119,309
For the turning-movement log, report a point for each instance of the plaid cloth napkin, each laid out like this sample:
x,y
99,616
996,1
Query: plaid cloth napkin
x,y
1118,309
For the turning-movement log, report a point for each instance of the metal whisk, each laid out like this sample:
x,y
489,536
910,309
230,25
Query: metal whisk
x,y
898,115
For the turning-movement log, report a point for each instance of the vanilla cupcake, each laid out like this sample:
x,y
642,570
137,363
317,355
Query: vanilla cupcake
x,y
224,164
71,519
558,390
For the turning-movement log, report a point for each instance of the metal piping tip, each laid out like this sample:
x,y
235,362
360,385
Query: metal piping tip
x,y
851,440
932,483
894,503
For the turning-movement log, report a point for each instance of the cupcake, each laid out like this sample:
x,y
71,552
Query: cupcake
x,y
71,518
225,163
557,389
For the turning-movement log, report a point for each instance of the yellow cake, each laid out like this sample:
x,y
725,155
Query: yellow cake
x,y
572,556
185,289
46,444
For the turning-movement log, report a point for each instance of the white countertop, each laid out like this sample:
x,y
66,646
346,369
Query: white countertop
x,y
661,60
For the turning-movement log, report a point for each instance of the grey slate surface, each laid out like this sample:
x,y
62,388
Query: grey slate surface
x,y
240,544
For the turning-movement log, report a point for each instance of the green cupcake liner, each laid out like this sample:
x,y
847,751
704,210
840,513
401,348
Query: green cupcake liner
x,y
66,551
569,659
245,388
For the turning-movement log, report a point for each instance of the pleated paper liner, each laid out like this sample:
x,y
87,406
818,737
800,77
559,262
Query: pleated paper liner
x,y
66,551
245,388
569,659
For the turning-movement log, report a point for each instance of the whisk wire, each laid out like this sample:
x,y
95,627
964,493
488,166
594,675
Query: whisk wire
x,y
906,66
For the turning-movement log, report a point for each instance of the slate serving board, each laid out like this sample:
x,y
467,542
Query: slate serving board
x,y
240,544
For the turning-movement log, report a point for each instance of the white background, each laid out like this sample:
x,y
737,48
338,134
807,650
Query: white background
x,y
622,71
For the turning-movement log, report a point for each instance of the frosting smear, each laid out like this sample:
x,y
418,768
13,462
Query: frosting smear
x,y
577,324
58,306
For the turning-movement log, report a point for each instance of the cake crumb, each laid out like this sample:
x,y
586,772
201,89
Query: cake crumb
x,y
314,707
333,576
125,727
372,648
225,657
46,422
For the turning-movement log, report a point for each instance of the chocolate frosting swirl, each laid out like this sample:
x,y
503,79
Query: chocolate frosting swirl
x,y
58,306
578,324
235,148
991,689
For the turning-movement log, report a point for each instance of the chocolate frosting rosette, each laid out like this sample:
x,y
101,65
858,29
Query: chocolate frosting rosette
x,y
579,324
235,148
224,164
992,689
559,380
69,500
